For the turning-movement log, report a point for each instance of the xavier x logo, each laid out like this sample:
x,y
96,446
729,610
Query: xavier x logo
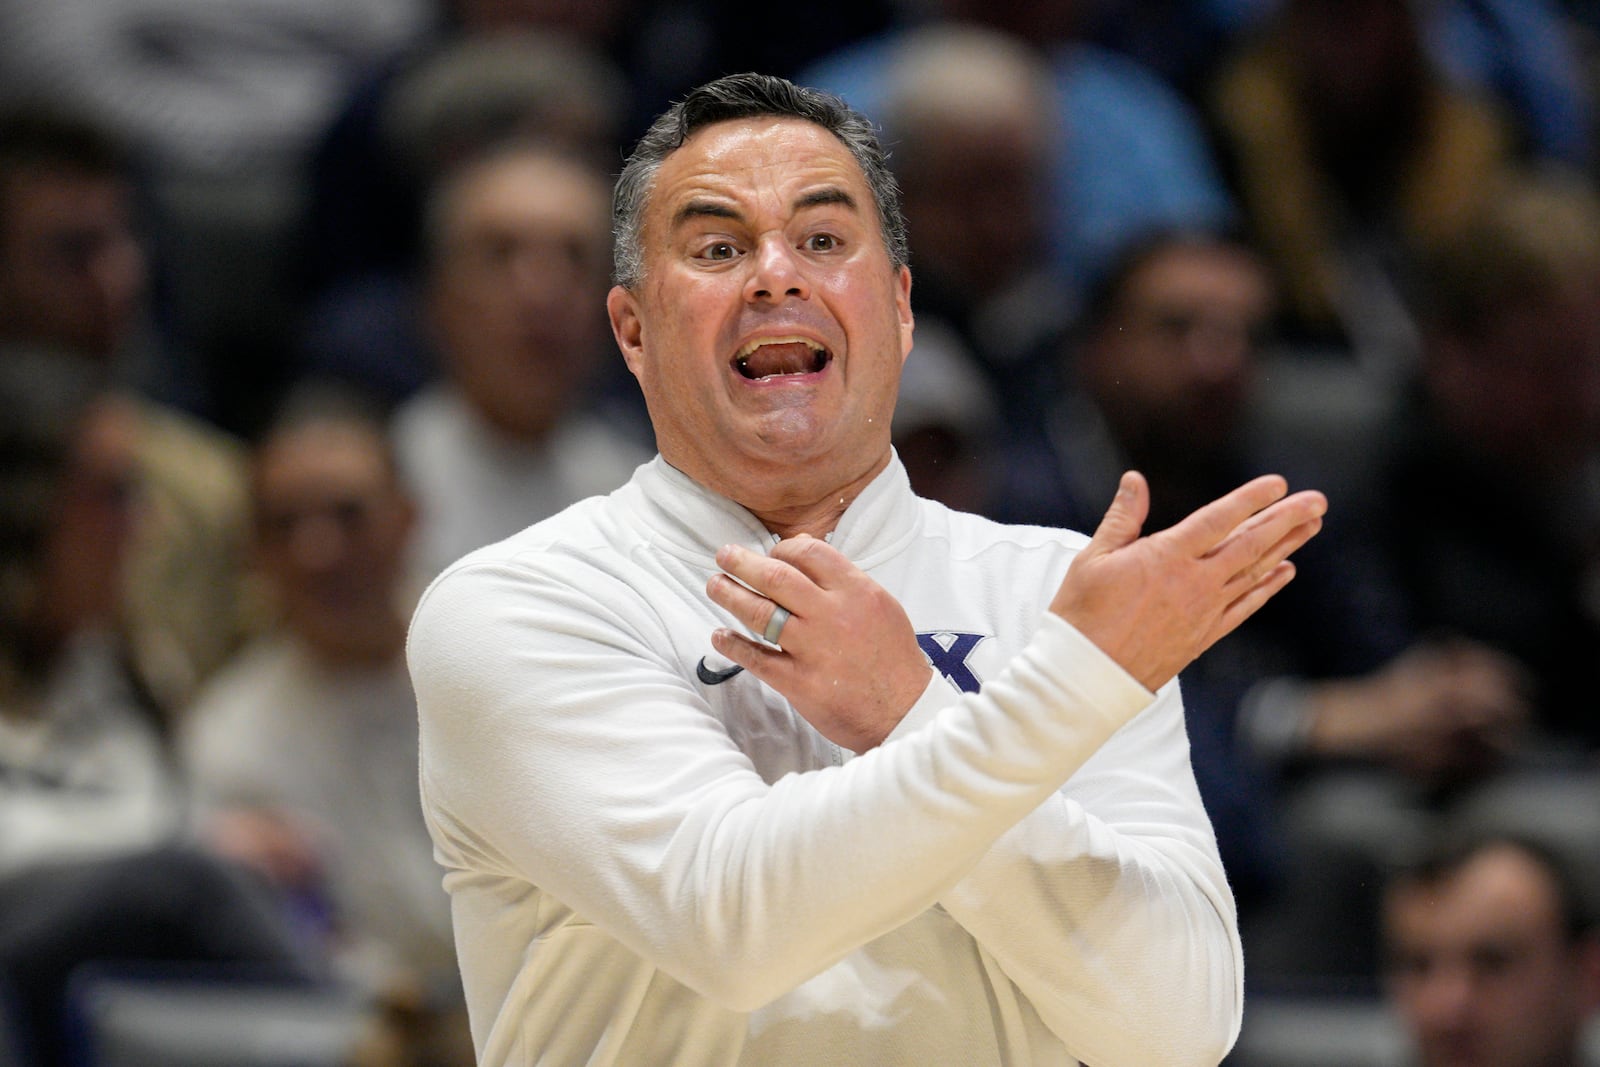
x,y
948,652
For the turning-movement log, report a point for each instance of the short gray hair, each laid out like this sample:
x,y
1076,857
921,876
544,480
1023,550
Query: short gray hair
x,y
740,96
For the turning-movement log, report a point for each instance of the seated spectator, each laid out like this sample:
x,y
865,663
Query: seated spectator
x,y
518,247
1492,955
363,248
220,102
73,283
1348,149
1482,521
967,110
1126,152
82,748
1162,375
93,867
303,749
1166,376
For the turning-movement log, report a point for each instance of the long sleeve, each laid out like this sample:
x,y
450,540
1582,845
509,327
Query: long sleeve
x,y
1107,905
1108,908
562,746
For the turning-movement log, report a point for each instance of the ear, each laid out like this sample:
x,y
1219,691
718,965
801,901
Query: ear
x,y
902,307
622,307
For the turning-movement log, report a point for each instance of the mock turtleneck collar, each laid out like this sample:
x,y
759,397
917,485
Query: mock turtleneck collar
x,y
690,521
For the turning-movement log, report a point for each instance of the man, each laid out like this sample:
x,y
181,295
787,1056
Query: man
x,y
1168,376
668,842
1491,959
516,274
93,866
303,748
73,281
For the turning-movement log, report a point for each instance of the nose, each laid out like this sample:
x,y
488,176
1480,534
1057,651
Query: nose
x,y
776,272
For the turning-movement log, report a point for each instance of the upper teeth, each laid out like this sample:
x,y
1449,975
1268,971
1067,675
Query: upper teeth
x,y
751,346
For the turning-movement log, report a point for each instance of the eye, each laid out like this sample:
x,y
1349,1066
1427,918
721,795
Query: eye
x,y
719,250
822,242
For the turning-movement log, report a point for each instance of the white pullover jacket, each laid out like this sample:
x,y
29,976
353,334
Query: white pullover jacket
x,y
647,868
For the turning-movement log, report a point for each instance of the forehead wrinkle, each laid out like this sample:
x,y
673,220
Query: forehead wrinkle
x,y
698,209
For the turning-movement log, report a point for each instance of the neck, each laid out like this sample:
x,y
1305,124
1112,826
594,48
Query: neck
x,y
787,511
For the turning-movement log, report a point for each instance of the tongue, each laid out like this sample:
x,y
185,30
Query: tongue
x,y
792,358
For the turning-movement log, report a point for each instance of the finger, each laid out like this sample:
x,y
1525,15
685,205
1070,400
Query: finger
x,y
1124,518
1256,564
776,579
748,606
761,660
1275,526
826,566
1251,600
1206,527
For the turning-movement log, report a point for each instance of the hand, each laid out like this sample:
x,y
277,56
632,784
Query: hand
x,y
1155,603
847,659
1439,711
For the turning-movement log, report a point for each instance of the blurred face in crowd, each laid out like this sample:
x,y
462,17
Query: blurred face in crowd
x,y
973,197
770,325
71,272
332,531
1482,969
1172,365
1523,387
92,522
521,253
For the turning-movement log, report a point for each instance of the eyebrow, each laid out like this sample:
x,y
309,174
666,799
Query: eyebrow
x,y
696,209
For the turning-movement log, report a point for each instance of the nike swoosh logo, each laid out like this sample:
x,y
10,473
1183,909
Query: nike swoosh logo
x,y
711,677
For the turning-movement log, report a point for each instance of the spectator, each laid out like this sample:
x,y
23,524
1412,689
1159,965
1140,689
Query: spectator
x,y
303,749
1492,955
82,754
1161,376
92,866
72,281
1482,519
219,101
518,242
967,110
1126,151
363,242
1348,149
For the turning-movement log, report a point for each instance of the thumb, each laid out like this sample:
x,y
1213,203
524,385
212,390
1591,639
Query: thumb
x,y
1124,519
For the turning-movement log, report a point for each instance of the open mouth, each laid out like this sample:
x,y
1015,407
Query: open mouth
x,y
772,357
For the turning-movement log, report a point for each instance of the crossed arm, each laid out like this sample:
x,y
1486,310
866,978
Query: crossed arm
x,y
1150,603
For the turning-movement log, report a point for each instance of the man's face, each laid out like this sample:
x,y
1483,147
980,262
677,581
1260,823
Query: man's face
x,y
71,272
332,529
516,286
974,201
1172,367
769,327
1480,969
1524,388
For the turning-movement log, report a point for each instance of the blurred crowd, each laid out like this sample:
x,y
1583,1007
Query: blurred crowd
x,y
301,300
